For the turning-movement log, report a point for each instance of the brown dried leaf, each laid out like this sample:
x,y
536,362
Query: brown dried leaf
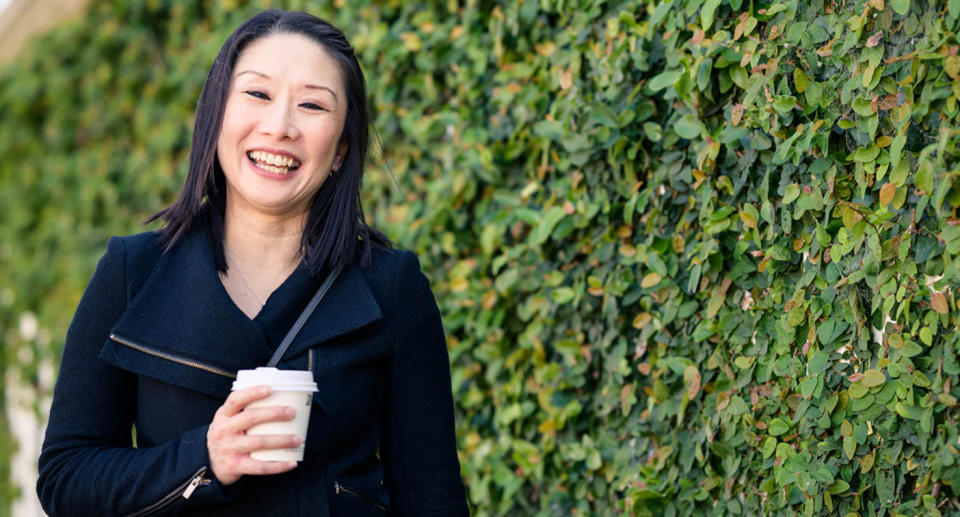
x,y
736,114
887,191
939,303
888,102
873,40
826,50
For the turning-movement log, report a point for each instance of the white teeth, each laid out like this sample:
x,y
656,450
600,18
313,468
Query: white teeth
x,y
275,170
265,159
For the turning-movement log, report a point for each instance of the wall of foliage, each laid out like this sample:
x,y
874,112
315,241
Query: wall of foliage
x,y
694,256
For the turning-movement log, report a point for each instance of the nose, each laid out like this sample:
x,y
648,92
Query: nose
x,y
278,121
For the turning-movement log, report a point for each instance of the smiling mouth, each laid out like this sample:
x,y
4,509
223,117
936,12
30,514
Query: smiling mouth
x,y
274,163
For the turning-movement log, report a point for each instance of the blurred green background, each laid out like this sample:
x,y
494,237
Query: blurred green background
x,y
695,257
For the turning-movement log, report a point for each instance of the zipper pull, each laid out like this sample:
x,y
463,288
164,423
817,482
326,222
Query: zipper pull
x,y
336,487
194,483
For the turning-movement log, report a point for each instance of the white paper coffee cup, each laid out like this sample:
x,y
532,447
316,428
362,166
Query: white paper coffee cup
x,y
293,388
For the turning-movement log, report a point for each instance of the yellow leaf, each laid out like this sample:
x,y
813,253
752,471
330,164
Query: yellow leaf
x,y
650,280
641,320
873,377
799,80
884,141
411,41
952,66
459,284
489,299
678,243
748,220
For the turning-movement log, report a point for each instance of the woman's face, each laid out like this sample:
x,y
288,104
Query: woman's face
x,y
282,123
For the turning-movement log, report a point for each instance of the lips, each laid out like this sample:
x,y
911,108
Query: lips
x,y
274,163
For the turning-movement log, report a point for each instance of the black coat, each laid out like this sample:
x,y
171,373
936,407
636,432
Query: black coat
x,y
154,344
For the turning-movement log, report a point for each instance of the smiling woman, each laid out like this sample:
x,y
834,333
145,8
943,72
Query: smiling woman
x,y
269,215
282,125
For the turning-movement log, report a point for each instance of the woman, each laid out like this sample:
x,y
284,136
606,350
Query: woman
x,y
270,207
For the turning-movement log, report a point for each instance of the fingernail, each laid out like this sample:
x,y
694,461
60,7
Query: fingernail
x,y
291,464
263,390
290,411
296,440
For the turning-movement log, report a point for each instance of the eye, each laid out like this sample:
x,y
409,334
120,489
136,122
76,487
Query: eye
x,y
257,94
312,106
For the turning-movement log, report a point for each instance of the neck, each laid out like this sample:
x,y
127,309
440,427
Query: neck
x,y
270,243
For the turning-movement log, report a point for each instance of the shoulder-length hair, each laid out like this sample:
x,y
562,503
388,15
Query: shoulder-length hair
x,y
336,231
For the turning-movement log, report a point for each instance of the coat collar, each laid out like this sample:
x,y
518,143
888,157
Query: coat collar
x,y
183,311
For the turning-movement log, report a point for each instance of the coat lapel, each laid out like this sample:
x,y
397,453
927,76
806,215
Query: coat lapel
x,y
183,328
347,306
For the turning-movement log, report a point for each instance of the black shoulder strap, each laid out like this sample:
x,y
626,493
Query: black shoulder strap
x,y
304,316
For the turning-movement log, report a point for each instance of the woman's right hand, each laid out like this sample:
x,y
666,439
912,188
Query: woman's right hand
x,y
229,446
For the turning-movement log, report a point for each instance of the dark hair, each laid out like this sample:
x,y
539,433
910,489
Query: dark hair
x,y
336,231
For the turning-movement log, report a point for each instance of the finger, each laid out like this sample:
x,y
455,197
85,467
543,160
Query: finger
x,y
240,398
255,442
250,417
248,465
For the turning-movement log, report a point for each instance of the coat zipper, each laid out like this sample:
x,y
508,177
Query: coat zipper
x,y
171,357
310,360
185,490
339,487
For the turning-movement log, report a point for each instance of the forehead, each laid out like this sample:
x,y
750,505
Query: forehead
x,y
292,58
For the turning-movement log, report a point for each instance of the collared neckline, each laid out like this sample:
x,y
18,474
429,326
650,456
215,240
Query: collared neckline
x,y
183,310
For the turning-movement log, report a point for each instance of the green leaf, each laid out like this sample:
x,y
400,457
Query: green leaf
x,y
664,79
602,114
863,106
562,295
653,131
818,363
542,231
784,103
900,6
791,193
778,427
910,349
799,80
838,487
688,127
849,446
769,446
865,154
924,177
707,12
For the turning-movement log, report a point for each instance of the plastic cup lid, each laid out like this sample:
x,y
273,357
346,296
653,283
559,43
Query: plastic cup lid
x,y
279,380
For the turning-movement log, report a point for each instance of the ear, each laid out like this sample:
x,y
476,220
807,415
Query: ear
x,y
341,155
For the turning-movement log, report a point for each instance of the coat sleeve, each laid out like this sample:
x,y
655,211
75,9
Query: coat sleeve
x,y
88,464
419,449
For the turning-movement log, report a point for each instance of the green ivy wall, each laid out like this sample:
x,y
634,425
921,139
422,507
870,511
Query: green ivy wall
x,y
694,257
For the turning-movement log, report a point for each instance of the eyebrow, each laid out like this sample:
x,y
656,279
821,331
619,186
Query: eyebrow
x,y
308,86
